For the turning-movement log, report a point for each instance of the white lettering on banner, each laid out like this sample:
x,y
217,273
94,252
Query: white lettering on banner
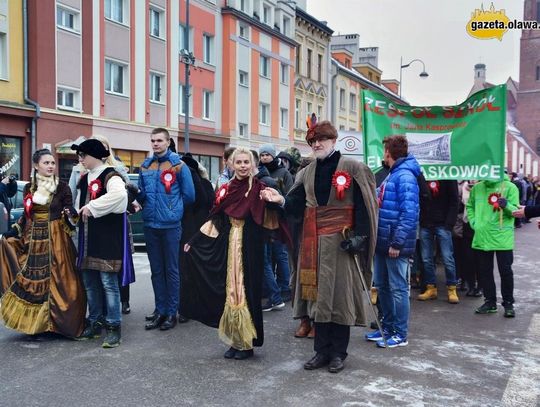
x,y
484,171
374,161
9,164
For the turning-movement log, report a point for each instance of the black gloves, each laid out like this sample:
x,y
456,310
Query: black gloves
x,y
132,189
355,245
502,202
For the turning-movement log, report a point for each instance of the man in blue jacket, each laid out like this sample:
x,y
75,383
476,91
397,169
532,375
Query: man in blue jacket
x,y
396,240
165,186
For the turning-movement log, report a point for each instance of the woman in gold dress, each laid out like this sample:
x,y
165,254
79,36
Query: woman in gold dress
x,y
40,289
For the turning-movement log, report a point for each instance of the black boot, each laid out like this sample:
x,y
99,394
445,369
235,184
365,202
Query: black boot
x,y
126,309
92,330
113,338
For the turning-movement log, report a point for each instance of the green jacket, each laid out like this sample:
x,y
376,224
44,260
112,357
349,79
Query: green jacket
x,y
489,233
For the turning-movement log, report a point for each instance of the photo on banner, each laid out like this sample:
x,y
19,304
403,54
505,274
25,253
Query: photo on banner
x,y
464,141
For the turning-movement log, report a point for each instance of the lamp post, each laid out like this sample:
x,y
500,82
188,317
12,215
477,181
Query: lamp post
x,y
422,74
188,59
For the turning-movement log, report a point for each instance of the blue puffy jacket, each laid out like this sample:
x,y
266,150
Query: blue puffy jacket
x,y
398,214
162,210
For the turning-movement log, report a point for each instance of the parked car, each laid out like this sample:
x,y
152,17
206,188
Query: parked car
x,y
137,225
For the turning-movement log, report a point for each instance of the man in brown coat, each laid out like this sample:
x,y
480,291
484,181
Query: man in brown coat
x,y
336,195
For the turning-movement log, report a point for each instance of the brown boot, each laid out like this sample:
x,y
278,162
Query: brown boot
x,y
311,334
429,294
452,295
304,328
373,293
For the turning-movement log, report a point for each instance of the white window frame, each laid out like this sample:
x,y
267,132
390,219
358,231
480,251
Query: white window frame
x,y
284,73
154,78
208,49
125,78
264,113
342,101
243,27
75,98
4,56
268,20
110,11
297,112
242,5
319,112
242,130
309,108
286,26
245,75
264,65
284,118
181,33
208,105
352,102
65,11
160,20
181,100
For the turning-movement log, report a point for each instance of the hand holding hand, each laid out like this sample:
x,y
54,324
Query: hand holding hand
x,y
519,213
272,195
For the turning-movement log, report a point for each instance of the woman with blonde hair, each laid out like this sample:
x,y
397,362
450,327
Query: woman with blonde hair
x,y
224,273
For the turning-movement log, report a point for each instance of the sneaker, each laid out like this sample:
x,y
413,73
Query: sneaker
x,y
113,338
509,311
486,308
92,330
273,307
393,342
376,335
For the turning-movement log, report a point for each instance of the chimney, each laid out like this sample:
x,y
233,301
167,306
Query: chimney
x,y
479,74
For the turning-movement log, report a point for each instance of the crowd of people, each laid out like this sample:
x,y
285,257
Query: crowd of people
x,y
324,233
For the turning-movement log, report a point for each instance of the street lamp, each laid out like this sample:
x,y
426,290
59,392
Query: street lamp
x,y
422,74
188,59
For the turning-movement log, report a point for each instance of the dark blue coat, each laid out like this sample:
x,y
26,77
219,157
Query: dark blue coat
x,y
399,211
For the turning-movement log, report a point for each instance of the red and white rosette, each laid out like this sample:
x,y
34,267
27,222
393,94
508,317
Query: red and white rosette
x,y
341,181
95,188
28,204
221,193
434,187
493,200
167,178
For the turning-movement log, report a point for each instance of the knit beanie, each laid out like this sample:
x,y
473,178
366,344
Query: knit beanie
x,y
268,149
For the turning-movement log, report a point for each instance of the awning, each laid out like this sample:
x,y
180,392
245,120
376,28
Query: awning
x,y
64,147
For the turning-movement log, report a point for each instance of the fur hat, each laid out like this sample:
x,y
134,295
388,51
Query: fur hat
x,y
268,149
322,129
92,147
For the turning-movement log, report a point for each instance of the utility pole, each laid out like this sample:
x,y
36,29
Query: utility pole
x,y
188,59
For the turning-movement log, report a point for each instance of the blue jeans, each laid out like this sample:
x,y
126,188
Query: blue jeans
x,y
102,286
270,286
281,259
162,248
444,236
391,280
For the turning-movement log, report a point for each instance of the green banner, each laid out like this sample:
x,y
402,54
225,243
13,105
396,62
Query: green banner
x,y
450,142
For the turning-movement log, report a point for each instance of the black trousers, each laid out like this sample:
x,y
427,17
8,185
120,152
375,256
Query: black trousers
x,y
332,339
124,291
470,258
505,258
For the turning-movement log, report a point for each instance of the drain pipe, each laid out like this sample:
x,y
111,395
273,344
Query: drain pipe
x,y
27,100
333,91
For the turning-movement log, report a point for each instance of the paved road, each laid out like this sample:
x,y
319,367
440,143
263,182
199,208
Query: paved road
x,y
454,358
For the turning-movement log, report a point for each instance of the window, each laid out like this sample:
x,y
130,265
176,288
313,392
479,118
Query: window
x,y
67,99
298,54
181,102
182,36
115,10
3,56
244,31
243,5
284,74
284,118
157,19
208,49
341,127
208,105
156,82
319,67
264,69
67,19
309,55
342,99
243,78
264,113
115,77
309,108
352,102
297,106
370,76
211,164
242,129
538,73
319,112
267,14
131,159
286,26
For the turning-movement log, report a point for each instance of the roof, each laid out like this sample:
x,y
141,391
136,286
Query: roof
x,y
312,20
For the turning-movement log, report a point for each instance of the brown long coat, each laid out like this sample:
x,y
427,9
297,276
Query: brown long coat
x,y
339,290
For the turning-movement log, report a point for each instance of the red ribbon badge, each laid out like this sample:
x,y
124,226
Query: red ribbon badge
x,y
493,200
221,193
94,188
28,204
341,181
434,188
167,178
